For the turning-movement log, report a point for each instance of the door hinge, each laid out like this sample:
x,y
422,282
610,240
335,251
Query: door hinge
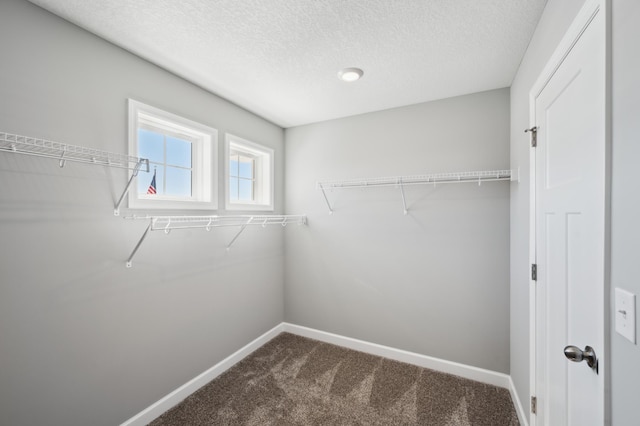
x,y
534,272
534,404
534,135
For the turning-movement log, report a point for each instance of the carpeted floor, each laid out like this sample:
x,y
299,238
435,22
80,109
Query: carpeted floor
x,y
293,380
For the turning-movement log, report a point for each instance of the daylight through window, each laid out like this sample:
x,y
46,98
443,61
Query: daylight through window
x,y
170,160
241,177
249,175
181,156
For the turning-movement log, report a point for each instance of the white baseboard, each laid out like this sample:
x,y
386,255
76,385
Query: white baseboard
x,y
174,398
520,411
469,372
473,373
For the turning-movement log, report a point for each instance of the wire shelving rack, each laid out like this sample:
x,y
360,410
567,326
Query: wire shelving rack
x,y
62,152
169,223
427,179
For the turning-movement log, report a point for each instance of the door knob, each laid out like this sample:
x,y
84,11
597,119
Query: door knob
x,y
576,355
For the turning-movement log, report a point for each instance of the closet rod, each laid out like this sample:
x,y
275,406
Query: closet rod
x,y
431,179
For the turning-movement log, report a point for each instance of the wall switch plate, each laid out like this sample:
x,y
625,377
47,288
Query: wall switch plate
x,y
625,310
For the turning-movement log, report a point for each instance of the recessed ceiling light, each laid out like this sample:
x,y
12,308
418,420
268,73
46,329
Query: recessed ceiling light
x,y
350,74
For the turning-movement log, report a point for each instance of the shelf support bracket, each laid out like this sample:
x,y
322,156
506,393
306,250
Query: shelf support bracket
x,y
404,200
142,162
242,228
133,253
326,199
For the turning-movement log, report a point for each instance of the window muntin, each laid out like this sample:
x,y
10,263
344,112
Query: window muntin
x,y
249,175
182,155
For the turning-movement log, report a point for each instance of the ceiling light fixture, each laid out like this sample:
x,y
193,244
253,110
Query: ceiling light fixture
x,y
350,74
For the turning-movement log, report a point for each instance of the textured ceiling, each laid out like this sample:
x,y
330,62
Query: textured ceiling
x,y
280,58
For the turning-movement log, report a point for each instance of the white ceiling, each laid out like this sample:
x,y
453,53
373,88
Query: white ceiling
x,y
280,58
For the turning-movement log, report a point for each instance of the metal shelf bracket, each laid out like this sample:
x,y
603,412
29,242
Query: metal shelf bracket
x,y
404,200
143,162
325,197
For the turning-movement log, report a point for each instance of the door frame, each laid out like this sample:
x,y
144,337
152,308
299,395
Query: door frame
x,y
572,35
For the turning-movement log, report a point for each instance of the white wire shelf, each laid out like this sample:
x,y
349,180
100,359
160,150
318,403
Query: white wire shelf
x,y
169,223
427,179
62,152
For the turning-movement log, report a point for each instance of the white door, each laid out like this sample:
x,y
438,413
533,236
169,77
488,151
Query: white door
x,y
570,232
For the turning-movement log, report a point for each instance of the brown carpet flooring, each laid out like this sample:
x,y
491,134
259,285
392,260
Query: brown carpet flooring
x,y
293,380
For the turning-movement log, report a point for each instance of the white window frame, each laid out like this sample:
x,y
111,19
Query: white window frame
x,y
204,139
264,174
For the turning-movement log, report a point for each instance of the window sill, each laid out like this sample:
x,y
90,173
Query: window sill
x,y
141,204
249,207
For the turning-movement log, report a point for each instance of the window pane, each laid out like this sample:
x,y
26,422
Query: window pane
x,y
178,152
233,189
245,190
233,165
245,167
249,173
151,145
144,180
178,182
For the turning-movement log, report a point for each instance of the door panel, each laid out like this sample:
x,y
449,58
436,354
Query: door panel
x,y
570,232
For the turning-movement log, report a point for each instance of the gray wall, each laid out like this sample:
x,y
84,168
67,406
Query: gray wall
x,y
625,239
433,282
85,341
555,20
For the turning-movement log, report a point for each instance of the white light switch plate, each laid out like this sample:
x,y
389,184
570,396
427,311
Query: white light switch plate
x,y
625,306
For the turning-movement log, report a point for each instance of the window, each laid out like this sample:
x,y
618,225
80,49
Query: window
x,y
182,160
242,177
249,175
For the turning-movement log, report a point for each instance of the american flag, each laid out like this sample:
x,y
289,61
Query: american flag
x,y
152,186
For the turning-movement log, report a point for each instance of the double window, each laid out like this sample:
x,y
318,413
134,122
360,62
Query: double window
x,y
183,165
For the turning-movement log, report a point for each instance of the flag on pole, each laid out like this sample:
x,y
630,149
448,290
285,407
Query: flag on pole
x,y
152,186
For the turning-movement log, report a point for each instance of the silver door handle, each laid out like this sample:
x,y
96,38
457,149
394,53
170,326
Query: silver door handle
x,y
576,355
